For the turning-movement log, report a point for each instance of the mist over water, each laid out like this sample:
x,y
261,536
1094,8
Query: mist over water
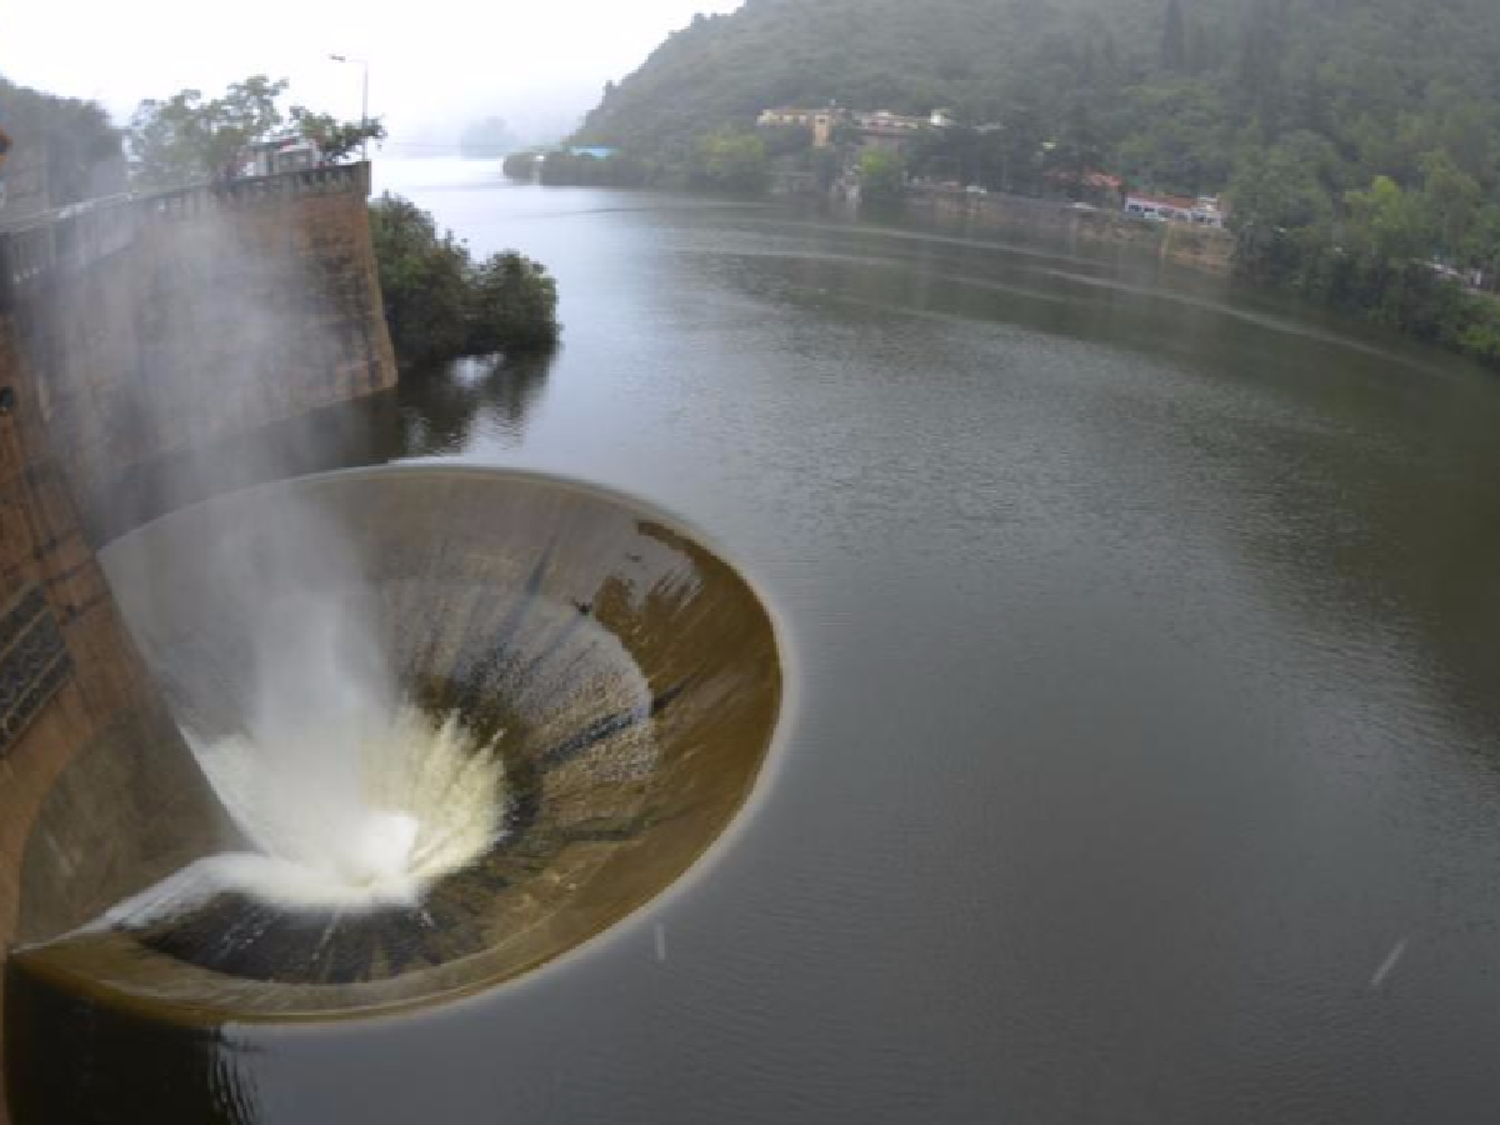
x,y
342,794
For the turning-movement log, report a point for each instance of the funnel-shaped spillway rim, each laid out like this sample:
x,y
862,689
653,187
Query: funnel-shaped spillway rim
x,y
622,499
108,989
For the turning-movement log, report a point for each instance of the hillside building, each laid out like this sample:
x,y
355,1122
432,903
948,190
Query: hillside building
x,y
1203,211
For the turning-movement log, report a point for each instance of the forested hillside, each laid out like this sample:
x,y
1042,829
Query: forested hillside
x,y
1173,93
1358,140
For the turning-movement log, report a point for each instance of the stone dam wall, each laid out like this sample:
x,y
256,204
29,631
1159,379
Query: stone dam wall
x,y
153,326
133,330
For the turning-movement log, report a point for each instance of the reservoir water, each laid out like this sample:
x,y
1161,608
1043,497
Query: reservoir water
x,y
1143,761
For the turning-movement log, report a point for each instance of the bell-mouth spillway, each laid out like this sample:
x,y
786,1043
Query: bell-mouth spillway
x,y
627,680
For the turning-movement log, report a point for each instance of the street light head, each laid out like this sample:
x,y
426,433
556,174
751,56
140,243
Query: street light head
x,y
364,99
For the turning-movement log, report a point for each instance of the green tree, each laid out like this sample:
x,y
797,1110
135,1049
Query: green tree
x,y
336,140
785,140
566,169
512,306
424,280
1078,149
1482,250
1387,222
187,138
1450,201
521,166
882,175
1176,135
172,142
247,111
1281,202
1258,84
735,163
439,305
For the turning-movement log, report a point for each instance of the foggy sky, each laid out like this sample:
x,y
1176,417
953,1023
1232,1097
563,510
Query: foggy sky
x,y
434,65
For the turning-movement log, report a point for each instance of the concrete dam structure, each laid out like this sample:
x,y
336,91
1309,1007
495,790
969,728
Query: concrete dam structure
x,y
111,359
154,326
339,745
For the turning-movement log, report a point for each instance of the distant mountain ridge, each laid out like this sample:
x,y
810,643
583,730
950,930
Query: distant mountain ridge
x,y
1166,90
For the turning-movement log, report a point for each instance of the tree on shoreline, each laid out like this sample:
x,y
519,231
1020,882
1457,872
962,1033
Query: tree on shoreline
x,y
732,163
882,176
440,304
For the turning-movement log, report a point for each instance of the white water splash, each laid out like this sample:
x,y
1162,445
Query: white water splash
x,y
349,798
369,826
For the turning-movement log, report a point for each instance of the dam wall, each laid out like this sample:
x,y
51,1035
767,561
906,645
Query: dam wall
x,y
155,325
131,330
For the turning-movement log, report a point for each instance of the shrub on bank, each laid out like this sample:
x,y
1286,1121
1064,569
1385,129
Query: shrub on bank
x,y
512,305
440,304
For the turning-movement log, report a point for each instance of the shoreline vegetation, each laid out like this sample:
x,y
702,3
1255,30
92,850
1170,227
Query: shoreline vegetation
x,y
441,305
1352,152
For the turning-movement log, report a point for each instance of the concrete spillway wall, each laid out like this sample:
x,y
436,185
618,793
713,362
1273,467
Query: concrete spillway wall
x,y
156,325
133,330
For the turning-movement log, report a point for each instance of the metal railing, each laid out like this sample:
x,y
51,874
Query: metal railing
x,y
65,239
197,198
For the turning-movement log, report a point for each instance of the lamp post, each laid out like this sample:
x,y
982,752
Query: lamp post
x,y
364,101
